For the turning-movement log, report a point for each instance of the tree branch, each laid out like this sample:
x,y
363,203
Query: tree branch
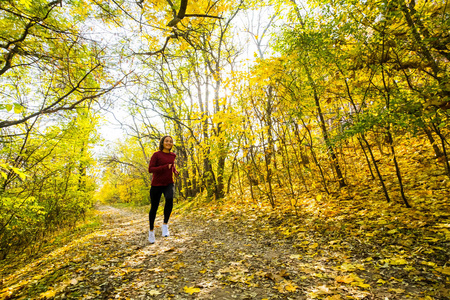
x,y
182,14
160,50
203,16
51,108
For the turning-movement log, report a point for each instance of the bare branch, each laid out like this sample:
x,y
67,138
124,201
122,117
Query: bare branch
x,y
203,16
52,109
160,50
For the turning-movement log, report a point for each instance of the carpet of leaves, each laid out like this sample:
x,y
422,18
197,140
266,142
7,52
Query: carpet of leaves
x,y
253,253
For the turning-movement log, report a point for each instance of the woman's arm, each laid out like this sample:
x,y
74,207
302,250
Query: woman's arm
x,y
152,168
174,169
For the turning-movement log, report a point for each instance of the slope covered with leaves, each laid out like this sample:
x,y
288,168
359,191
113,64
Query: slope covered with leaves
x,y
332,248
358,245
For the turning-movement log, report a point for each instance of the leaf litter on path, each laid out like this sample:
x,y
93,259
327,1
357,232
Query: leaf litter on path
x,y
223,259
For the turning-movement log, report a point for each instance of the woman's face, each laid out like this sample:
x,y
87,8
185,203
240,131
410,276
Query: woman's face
x,y
168,143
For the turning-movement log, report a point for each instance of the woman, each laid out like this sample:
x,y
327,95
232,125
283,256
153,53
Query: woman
x,y
162,166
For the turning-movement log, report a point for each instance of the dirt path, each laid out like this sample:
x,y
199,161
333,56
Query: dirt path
x,y
202,259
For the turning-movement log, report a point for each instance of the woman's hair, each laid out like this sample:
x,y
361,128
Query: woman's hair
x,y
161,142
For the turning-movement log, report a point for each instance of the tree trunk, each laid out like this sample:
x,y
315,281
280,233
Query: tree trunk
x,y
330,149
433,143
324,182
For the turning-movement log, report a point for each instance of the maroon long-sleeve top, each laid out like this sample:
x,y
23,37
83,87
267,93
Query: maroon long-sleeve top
x,y
159,166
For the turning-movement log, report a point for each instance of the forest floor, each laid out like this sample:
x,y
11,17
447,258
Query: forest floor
x,y
223,255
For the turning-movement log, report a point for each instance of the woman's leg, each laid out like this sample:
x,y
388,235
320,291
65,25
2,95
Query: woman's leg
x,y
155,197
168,195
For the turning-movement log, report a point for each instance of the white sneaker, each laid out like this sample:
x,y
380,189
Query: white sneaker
x,y
165,230
151,237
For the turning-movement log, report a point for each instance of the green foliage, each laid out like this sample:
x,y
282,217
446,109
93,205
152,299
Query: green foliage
x,y
125,178
53,189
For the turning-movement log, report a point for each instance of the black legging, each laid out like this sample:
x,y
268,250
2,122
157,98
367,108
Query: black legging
x,y
155,197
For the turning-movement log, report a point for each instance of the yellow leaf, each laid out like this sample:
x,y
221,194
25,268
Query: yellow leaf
x,y
295,256
319,275
409,268
445,270
349,267
179,265
345,279
396,279
431,239
191,290
156,270
397,261
363,285
48,294
429,263
397,291
290,288
359,282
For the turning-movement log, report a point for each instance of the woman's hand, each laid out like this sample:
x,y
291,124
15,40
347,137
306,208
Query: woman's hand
x,y
170,166
176,173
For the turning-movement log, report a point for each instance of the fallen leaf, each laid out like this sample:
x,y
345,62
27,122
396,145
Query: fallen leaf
x,y
156,270
154,293
397,291
397,261
313,246
350,268
191,290
321,290
290,287
48,294
445,270
362,284
345,279
429,263
179,265
285,286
